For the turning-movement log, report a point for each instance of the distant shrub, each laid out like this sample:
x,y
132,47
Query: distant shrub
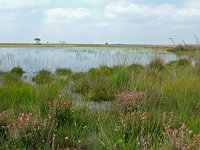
x,y
43,77
156,63
17,71
63,71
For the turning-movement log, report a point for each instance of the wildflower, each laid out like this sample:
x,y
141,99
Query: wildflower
x,y
3,127
133,114
183,126
9,126
27,118
66,138
21,117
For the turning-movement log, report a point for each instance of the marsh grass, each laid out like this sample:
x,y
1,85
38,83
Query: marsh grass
x,y
153,107
63,71
156,63
184,48
43,77
17,71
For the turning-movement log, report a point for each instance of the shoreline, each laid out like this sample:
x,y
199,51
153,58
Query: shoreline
x,y
83,45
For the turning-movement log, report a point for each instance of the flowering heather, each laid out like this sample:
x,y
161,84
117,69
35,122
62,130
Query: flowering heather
x,y
182,138
128,101
130,96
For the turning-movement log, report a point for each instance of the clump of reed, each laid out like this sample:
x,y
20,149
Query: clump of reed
x,y
43,77
17,71
156,63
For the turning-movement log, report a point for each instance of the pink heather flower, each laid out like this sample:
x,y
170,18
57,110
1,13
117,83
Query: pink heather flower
x,y
133,114
9,126
27,118
3,127
21,117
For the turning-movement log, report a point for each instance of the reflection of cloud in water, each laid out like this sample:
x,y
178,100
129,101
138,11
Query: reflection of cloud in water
x,y
76,58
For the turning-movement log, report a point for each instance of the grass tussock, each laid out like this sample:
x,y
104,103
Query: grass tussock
x,y
63,71
43,77
17,71
157,63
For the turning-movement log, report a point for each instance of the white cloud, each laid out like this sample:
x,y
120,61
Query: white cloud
x,y
61,15
192,3
13,4
165,12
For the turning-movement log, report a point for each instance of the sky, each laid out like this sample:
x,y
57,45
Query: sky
x,y
100,21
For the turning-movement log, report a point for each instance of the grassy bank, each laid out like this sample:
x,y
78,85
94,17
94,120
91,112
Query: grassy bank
x,y
151,107
85,45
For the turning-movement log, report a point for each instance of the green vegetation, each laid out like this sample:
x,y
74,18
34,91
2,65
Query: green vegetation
x,y
43,77
37,40
185,48
17,71
63,71
156,64
152,107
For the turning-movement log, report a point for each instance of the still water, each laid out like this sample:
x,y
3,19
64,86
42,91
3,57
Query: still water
x,y
77,58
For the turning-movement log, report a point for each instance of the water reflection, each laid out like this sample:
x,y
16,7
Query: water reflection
x,y
77,58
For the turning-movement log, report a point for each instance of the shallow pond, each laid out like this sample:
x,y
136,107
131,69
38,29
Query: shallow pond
x,y
77,58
